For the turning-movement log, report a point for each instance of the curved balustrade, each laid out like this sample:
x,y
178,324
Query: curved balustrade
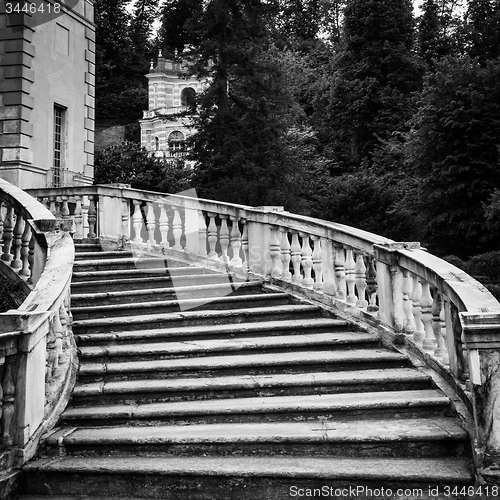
x,y
437,310
37,353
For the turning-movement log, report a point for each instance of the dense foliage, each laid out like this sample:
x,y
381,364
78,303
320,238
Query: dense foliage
x,y
354,111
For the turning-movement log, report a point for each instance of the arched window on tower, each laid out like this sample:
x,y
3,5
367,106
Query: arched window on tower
x,y
176,143
157,144
188,97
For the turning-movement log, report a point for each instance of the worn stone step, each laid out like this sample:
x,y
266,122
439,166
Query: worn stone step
x,y
141,280
120,263
195,318
190,348
245,478
398,404
191,388
176,305
95,248
357,438
141,270
232,330
260,363
89,254
158,294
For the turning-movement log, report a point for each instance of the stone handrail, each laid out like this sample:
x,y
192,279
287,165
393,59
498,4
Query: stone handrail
x,y
37,353
439,312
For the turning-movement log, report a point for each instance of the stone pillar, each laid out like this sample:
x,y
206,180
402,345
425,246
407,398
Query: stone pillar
x,y
482,337
16,103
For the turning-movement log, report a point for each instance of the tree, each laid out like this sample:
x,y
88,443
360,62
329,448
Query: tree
x,y
238,147
128,163
483,29
376,75
175,33
453,147
433,44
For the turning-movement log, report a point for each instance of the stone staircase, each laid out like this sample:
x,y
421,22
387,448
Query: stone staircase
x,y
196,386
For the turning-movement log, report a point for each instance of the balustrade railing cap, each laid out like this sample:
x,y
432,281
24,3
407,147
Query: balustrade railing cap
x,y
271,208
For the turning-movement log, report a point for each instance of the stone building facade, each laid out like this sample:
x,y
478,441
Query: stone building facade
x,y
172,97
47,82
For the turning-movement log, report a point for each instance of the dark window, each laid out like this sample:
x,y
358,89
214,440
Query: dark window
x,y
59,132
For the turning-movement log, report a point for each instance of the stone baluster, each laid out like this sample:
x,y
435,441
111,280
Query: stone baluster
x,y
464,358
52,205
25,251
212,237
275,252
296,258
31,256
445,358
17,233
224,238
8,228
177,229
407,289
360,274
163,223
286,256
92,217
137,221
8,400
78,216
65,212
416,297
371,286
125,222
202,234
85,215
51,356
327,267
150,225
426,301
399,316
350,276
244,244
307,263
235,238
340,271
437,304
317,264
58,336
63,317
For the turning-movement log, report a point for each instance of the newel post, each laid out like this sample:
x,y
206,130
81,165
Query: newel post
x,y
110,223
482,337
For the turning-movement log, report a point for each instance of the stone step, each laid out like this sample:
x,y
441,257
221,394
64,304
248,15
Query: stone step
x,y
232,330
191,388
124,261
298,361
158,294
141,279
244,478
195,318
438,437
95,248
190,348
141,270
176,305
89,254
404,404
